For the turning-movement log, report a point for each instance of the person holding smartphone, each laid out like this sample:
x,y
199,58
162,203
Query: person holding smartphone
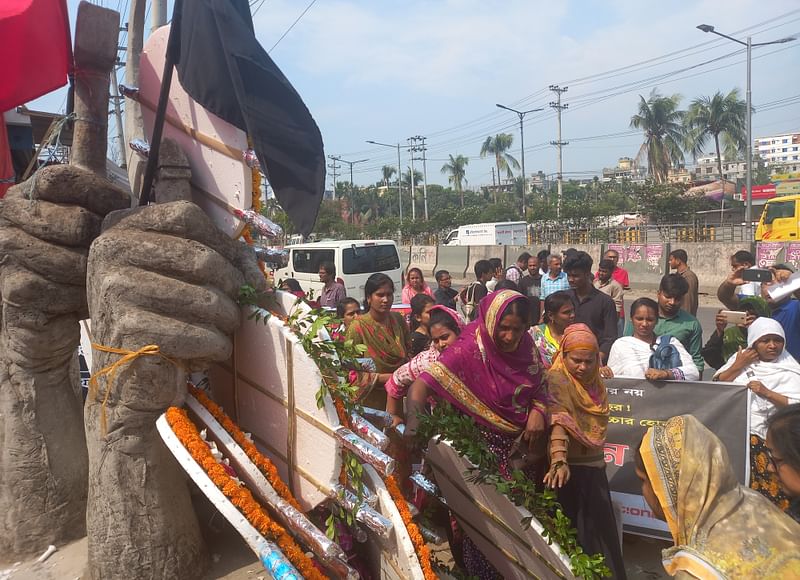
x,y
730,334
735,286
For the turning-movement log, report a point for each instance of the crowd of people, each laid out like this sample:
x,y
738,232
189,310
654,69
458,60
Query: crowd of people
x,y
525,351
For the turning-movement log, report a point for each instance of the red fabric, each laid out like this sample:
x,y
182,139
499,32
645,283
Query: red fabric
x,y
36,48
6,166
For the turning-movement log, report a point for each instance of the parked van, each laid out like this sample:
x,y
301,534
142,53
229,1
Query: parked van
x,y
489,234
355,261
780,220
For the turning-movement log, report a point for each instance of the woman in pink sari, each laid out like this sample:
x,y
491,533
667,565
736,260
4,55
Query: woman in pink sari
x,y
493,373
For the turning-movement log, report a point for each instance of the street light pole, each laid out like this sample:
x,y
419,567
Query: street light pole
x,y
748,212
399,180
352,189
521,115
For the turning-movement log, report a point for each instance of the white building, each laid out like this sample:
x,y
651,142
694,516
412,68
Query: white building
x,y
778,149
706,169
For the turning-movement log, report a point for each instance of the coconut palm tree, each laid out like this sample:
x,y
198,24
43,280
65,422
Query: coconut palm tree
x,y
498,146
721,117
457,168
662,123
388,171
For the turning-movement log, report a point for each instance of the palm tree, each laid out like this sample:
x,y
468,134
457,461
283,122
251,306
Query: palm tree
x,y
407,178
387,171
498,146
717,117
662,123
457,168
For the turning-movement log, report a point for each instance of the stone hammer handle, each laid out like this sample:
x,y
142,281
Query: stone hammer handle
x,y
96,33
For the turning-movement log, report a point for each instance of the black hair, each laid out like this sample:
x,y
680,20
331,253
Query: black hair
x,y
784,428
344,303
329,267
680,255
373,284
646,302
673,285
555,302
482,267
521,308
606,264
570,253
496,263
523,257
439,316
543,256
578,262
418,304
441,274
744,257
292,284
506,284
417,270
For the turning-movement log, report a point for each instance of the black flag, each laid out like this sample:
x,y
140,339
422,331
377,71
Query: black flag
x,y
224,68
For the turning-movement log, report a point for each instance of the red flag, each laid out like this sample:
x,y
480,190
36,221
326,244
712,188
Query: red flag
x,y
36,47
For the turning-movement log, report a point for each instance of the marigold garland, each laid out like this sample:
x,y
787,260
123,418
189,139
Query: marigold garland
x,y
259,460
420,546
240,496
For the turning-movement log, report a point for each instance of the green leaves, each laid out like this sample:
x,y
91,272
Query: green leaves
x,y
467,439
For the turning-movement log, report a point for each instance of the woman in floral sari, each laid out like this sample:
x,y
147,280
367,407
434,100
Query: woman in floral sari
x,y
579,414
721,529
385,335
493,374
559,312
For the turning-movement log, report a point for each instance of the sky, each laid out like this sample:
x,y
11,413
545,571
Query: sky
x,y
386,71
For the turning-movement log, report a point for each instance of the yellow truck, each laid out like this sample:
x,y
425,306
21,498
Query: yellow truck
x,y
780,220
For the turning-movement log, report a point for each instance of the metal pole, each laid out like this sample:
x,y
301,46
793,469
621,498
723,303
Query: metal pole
x,y
522,147
118,113
399,183
424,179
560,168
159,17
748,214
352,198
413,187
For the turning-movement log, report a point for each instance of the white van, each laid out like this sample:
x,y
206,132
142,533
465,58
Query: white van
x,y
355,261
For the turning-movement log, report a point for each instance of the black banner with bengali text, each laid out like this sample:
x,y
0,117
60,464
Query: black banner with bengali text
x,y
636,404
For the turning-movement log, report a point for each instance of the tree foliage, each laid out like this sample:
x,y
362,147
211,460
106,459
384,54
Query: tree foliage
x,y
662,123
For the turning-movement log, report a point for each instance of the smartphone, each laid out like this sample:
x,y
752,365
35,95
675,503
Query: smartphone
x,y
753,275
735,316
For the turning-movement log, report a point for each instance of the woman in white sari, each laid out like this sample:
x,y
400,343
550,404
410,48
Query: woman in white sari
x,y
630,355
773,376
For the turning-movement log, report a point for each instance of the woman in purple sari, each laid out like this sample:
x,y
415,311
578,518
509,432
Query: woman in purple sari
x,y
493,373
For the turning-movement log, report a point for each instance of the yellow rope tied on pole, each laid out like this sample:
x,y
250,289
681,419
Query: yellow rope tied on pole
x,y
111,370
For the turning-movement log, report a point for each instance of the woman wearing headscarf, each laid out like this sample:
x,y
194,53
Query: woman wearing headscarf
x,y
445,327
559,312
493,374
721,529
726,340
773,376
579,417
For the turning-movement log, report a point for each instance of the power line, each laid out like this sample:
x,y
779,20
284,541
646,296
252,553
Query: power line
x,y
288,30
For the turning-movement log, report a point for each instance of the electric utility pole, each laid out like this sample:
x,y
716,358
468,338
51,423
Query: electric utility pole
x,y
421,147
559,143
334,167
352,186
159,16
413,185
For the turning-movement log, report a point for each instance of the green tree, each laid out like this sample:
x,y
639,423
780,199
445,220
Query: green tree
x,y
457,169
720,117
662,123
388,171
761,171
499,146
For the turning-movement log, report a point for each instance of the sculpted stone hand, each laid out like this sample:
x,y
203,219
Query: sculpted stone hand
x,y
158,275
46,227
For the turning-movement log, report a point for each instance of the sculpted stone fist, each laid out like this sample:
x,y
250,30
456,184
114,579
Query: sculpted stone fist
x,y
159,275
46,227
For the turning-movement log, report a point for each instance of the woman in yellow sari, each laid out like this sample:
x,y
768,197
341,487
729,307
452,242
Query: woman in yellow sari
x,y
721,529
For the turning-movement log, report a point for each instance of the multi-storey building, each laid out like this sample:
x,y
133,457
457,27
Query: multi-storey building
x,y
778,149
707,169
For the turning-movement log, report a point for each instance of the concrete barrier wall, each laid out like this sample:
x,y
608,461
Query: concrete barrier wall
x,y
453,259
482,253
424,258
405,258
645,263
